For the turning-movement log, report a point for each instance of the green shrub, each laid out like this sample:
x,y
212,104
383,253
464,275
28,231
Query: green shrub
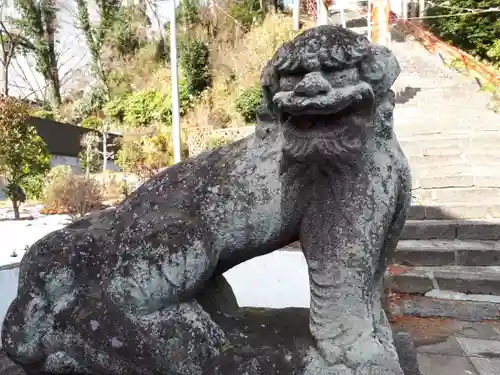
x,y
130,155
474,33
246,12
92,122
119,83
23,153
115,109
124,35
43,113
248,102
185,99
94,164
90,103
33,186
145,155
188,13
195,63
494,52
58,172
144,107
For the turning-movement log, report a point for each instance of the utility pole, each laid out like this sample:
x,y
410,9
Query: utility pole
x,y
321,13
369,20
342,16
176,122
380,29
296,15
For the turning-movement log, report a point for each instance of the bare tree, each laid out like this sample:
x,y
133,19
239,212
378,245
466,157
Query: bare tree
x,y
11,42
38,23
95,35
89,142
153,6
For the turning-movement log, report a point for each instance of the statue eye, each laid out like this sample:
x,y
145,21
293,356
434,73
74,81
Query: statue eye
x,y
288,83
336,77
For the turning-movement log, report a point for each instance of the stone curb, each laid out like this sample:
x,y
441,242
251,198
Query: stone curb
x,y
463,279
455,210
426,307
447,253
451,229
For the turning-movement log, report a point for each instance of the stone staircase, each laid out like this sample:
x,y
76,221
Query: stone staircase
x,y
448,260
447,263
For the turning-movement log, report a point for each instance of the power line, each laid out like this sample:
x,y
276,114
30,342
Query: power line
x,y
472,10
467,11
482,11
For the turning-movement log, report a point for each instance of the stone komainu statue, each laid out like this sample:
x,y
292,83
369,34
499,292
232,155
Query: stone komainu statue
x,y
122,292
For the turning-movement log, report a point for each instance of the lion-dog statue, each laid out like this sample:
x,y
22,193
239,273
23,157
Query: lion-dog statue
x,y
116,292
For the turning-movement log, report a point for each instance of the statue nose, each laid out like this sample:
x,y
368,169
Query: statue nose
x,y
312,84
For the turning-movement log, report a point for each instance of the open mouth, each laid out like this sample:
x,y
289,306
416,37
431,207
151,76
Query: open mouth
x,y
324,120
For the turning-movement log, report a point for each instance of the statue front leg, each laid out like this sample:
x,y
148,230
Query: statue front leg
x,y
341,246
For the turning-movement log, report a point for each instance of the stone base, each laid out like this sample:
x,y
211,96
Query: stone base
x,y
273,362
262,337
259,341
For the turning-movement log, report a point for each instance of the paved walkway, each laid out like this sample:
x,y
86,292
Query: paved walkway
x,y
452,347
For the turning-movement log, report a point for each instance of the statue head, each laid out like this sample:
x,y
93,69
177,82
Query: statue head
x,y
323,87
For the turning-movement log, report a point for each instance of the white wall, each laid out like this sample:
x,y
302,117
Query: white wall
x,y
8,281
276,280
74,163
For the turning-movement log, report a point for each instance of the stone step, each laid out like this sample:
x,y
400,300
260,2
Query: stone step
x,y
462,279
488,195
488,137
454,181
423,128
455,210
411,115
477,108
462,95
441,101
432,117
460,144
413,253
484,162
417,127
452,229
477,155
427,307
462,169
436,97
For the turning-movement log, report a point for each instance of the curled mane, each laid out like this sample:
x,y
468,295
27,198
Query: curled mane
x,y
329,48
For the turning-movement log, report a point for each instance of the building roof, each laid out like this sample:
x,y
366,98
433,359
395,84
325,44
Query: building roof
x,y
64,139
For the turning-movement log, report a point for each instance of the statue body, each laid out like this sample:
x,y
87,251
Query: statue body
x,y
119,292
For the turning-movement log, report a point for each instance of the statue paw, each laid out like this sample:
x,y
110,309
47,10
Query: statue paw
x,y
366,356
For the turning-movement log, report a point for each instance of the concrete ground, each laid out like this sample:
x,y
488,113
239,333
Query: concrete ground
x,y
444,347
452,347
